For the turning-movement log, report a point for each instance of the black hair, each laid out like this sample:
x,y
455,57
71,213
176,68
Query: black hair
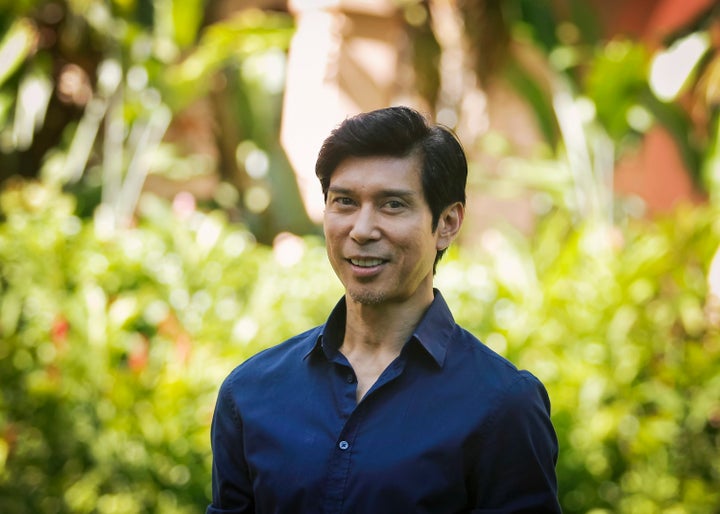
x,y
401,132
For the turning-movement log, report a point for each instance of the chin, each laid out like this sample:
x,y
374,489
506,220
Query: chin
x,y
368,297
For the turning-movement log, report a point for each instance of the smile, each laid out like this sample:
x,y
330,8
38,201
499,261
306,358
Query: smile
x,y
366,263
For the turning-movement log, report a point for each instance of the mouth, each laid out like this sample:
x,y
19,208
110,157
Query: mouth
x,y
366,262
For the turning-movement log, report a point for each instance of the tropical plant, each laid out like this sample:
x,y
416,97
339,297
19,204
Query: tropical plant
x,y
113,345
88,91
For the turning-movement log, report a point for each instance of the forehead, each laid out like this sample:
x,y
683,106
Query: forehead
x,y
378,171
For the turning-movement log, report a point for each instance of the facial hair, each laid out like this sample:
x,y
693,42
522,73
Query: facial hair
x,y
368,298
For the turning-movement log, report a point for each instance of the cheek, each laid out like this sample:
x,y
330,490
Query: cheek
x,y
333,245
333,226
329,234
419,238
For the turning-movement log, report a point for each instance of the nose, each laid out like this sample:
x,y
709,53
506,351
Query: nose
x,y
364,226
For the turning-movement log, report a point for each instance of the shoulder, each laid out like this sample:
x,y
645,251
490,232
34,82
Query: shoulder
x,y
489,373
279,359
509,401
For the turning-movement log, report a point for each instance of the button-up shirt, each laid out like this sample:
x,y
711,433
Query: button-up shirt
x,y
450,426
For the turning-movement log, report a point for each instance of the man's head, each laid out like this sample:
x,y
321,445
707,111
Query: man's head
x,y
401,132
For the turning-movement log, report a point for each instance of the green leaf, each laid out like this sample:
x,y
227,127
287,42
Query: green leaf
x,y
15,47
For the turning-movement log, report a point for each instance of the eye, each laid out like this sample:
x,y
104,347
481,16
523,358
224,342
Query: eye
x,y
394,204
343,200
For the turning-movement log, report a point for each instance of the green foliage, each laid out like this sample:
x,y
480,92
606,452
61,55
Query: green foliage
x,y
614,324
251,33
89,88
624,85
113,344
627,63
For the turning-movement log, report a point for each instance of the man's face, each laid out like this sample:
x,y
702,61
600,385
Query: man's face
x,y
378,230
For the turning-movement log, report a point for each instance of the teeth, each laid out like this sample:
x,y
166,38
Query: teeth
x,y
366,263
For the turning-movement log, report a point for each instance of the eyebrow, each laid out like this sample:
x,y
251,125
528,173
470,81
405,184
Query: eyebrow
x,y
384,193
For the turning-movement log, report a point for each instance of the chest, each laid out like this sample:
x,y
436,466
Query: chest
x,y
321,450
366,374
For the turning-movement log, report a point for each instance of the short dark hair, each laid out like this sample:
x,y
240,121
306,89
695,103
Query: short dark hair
x,y
401,132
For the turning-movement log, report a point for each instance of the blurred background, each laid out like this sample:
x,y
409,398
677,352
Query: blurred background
x,y
159,223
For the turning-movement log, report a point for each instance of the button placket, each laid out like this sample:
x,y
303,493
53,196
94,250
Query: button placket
x,y
339,466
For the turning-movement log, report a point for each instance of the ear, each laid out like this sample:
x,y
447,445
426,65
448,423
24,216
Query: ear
x,y
449,225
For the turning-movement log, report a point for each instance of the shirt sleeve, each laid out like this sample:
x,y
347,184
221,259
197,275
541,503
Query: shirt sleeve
x,y
231,484
515,464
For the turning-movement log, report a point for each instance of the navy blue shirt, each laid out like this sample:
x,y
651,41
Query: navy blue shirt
x,y
450,426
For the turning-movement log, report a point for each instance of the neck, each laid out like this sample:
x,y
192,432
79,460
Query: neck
x,y
381,329
375,335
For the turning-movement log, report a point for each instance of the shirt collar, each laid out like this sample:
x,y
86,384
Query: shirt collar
x,y
432,333
435,328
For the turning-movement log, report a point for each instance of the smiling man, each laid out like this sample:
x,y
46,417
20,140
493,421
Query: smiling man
x,y
389,407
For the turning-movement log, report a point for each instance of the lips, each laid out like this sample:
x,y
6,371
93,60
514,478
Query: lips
x,y
366,262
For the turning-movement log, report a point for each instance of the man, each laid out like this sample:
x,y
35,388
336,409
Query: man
x,y
389,407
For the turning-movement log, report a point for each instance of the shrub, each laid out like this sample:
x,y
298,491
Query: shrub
x,y
617,326
113,345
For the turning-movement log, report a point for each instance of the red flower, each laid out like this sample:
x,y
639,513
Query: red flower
x,y
139,355
59,331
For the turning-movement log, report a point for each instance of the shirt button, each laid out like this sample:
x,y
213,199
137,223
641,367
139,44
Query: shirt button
x,y
350,378
343,445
